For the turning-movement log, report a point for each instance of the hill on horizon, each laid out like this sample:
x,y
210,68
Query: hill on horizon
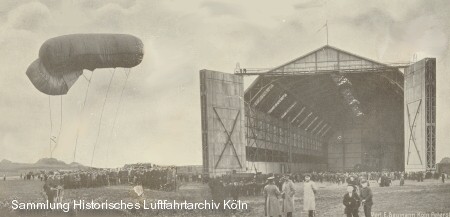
x,y
41,164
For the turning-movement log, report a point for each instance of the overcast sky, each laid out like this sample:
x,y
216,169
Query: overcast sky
x,y
159,119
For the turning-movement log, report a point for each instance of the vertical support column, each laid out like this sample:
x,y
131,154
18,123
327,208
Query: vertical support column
x,y
204,117
420,115
430,101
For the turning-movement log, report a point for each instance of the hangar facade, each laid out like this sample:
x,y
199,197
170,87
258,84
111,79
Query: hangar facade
x,y
327,110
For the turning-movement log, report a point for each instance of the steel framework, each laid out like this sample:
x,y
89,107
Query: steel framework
x,y
273,140
290,114
430,97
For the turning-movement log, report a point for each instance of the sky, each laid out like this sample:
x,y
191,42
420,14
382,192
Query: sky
x,y
158,120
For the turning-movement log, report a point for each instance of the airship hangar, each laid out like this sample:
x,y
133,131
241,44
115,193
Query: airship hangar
x,y
328,110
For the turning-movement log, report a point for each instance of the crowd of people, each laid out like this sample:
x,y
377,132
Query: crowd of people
x,y
278,190
156,178
340,177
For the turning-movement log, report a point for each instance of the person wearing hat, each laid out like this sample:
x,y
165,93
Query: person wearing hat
x,y
288,192
366,198
279,182
272,194
351,202
309,198
352,180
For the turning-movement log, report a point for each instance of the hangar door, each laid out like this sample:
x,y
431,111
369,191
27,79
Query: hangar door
x,y
420,115
223,126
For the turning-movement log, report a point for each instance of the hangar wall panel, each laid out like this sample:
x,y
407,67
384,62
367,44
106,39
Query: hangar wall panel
x,y
223,126
420,115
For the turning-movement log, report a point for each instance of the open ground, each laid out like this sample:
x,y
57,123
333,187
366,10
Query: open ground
x,y
427,197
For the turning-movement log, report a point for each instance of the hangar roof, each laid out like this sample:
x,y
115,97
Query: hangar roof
x,y
319,90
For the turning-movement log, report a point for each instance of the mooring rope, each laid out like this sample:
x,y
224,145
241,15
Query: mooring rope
x,y
51,125
101,116
81,114
60,127
127,74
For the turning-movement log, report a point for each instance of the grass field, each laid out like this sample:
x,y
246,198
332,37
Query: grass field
x,y
429,197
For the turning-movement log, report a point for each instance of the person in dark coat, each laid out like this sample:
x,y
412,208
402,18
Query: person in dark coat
x,y
366,198
420,177
50,188
351,202
218,192
235,189
351,181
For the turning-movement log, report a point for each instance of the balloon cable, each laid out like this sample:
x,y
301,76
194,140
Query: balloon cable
x,y
81,114
51,125
101,116
60,127
127,74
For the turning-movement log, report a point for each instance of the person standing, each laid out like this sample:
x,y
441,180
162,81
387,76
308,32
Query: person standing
x,y
271,194
50,187
351,202
402,180
366,198
218,192
309,198
351,181
442,177
59,189
288,196
235,190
